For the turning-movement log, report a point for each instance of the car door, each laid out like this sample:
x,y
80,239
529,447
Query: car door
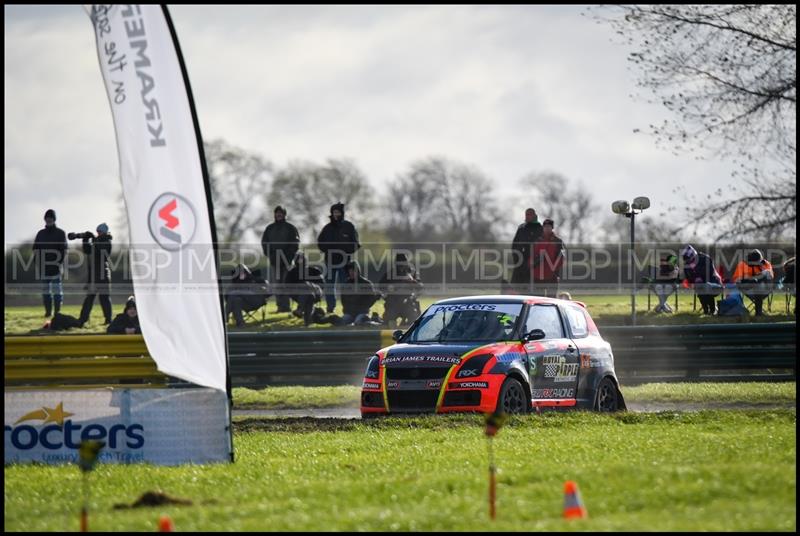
x,y
553,362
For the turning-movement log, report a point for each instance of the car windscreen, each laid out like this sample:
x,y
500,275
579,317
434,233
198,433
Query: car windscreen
x,y
466,322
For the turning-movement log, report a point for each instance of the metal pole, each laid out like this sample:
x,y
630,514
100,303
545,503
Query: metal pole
x,y
632,269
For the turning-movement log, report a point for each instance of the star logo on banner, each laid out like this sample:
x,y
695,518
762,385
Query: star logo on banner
x,y
55,415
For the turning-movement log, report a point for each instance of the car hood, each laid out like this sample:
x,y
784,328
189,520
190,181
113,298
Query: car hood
x,y
416,355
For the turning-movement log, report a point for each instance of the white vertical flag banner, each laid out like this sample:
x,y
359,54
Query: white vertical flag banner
x,y
172,256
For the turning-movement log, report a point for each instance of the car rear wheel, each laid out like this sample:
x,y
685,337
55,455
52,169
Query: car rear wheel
x,y
512,397
607,397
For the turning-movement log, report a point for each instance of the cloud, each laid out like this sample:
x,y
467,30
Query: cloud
x,y
510,89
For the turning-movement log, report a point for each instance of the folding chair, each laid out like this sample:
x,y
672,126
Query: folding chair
x,y
650,291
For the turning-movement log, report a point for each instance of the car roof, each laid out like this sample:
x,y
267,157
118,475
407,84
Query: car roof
x,y
505,298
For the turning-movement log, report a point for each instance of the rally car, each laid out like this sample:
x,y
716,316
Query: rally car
x,y
510,354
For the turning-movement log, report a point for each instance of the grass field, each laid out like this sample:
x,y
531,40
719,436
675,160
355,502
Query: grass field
x,y
697,393
710,470
607,310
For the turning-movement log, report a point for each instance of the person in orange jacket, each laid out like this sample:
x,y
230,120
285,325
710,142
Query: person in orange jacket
x,y
754,278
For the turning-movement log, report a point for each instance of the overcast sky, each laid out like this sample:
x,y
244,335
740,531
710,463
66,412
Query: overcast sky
x,y
509,89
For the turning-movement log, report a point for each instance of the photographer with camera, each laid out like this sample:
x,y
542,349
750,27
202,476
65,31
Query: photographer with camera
x,y
98,251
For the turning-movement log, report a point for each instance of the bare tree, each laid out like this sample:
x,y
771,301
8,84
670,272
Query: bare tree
x,y
307,190
571,207
238,180
728,74
442,199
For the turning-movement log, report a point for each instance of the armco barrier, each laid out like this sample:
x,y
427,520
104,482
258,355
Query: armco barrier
x,y
335,357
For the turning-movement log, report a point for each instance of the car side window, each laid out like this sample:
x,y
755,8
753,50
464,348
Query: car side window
x,y
577,321
546,318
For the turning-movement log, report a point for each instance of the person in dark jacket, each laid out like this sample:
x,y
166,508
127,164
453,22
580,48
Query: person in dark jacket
x,y
280,242
527,234
663,280
127,322
50,251
98,252
303,285
700,272
338,240
247,292
400,284
358,295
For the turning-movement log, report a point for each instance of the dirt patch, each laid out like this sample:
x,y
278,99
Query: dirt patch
x,y
154,498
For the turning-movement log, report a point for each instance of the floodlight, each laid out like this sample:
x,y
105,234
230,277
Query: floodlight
x,y
620,207
641,203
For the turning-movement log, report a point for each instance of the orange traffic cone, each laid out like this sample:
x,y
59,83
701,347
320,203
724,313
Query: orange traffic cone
x,y
573,505
165,524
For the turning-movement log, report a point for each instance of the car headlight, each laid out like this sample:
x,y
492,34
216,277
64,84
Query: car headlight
x,y
372,368
474,366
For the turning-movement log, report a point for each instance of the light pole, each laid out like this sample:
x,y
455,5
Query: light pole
x,y
623,208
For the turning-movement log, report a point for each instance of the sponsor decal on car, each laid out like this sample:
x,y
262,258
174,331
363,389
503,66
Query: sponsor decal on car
x,y
553,393
368,385
453,360
469,385
392,384
433,384
510,356
586,360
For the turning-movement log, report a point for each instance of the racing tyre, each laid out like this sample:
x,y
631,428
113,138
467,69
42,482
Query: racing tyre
x,y
512,397
607,398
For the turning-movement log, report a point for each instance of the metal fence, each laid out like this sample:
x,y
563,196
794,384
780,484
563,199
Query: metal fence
x,y
721,352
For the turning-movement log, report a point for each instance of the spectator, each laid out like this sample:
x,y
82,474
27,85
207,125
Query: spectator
x,y
358,295
700,272
754,278
50,251
247,292
338,240
98,251
547,260
127,322
527,234
302,282
280,242
400,284
664,280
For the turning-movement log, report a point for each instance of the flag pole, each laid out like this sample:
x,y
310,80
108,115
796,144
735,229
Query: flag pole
x,y
210,205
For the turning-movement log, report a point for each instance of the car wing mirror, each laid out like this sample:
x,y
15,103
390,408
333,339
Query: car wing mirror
x,y
397,335
534,335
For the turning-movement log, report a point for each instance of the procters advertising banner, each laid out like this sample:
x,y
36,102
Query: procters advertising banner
x,y
160,426
172,256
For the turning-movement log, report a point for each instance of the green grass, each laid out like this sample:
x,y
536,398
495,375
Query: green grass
x,y
607,310
697,393
710,470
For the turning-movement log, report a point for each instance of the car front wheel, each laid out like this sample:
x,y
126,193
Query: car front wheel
x,y
607,398
512,397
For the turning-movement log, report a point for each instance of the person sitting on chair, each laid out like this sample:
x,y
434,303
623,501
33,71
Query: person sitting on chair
x,y
663,279
247,292
701,273
400,283
303,283
754,278
358,295
127,322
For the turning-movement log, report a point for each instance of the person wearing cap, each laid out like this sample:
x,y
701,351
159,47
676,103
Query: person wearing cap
x,y
753,276
700,273
127,322
527,234
98,251
279,243
400,284
50,252
358,295
338,241
547,261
